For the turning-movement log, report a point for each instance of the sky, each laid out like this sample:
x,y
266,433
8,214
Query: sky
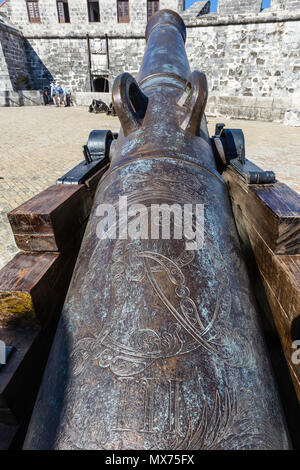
x,y
214,4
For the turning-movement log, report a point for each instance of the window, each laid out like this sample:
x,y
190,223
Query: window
x,y
63,11
33,12
94,12
152,7
123,11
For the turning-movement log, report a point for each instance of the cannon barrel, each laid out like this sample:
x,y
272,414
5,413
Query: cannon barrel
x,y
159,345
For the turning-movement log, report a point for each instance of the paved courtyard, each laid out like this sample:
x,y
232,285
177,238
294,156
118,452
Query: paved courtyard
x,y
39,144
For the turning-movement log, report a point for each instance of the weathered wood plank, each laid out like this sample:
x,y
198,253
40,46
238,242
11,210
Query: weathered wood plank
x,y
292,264
20,377
23,284
7,435
274,211
32,290
280,279
48,221
283,326
281,272
15,376
33,285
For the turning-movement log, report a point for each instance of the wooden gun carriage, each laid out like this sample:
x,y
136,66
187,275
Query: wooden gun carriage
x,y
49,229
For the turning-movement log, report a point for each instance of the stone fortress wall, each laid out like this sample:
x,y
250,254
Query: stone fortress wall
x,y
251,57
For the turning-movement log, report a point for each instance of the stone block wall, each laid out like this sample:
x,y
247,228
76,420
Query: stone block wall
x,y
64,60
251,58
287,5
13,64
79,21
59,51
253,70
238,7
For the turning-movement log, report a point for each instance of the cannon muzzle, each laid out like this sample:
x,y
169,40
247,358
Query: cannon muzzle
x,y
159,344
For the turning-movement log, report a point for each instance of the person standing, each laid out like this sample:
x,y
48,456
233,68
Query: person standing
x,y
62,94
54,94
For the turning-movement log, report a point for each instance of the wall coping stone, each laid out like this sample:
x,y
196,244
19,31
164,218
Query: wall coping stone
x,y
10,29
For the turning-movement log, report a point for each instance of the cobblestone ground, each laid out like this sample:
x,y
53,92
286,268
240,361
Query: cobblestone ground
x,y
39,144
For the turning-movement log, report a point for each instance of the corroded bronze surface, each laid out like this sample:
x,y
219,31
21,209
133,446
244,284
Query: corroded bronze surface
x,y
159,347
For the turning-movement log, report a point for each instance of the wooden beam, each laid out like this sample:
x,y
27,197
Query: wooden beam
x,y
7,435
20,377
49,220
33,286
283,326
49,229
274,211
16,375
280,274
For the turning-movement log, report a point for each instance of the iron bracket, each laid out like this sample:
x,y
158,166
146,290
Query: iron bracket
x,y
229,150
96,155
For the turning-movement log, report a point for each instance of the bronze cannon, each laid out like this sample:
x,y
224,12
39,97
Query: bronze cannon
x,y
159,345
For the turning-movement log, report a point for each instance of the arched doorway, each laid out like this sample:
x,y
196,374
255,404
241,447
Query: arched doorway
x,y
101,84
